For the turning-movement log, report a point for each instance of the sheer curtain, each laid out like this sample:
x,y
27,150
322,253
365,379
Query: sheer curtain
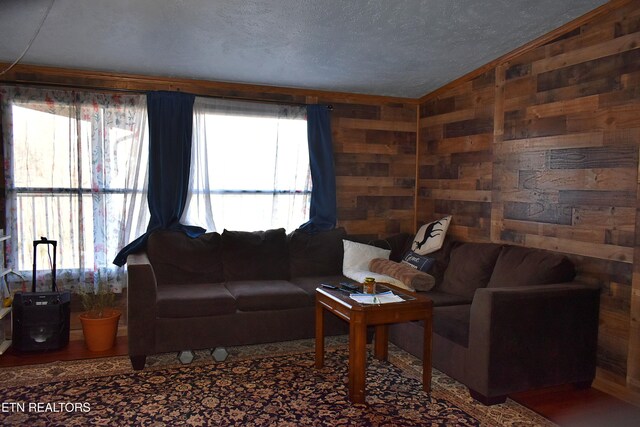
x,y
249,166
76,172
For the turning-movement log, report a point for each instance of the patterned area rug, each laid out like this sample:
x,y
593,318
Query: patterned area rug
x,y
263,385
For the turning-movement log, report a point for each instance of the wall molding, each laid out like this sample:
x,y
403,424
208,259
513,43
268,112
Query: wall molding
x,y
100,80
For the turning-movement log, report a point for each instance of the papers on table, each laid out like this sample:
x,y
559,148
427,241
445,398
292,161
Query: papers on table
x,y
382,298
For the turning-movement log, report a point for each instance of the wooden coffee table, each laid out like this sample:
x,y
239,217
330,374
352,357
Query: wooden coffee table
x,y
359,316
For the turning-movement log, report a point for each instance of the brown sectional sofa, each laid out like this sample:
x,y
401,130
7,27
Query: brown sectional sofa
x,y
506,318
228,289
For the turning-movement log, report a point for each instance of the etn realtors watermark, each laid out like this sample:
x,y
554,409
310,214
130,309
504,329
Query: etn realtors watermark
x,y
42,407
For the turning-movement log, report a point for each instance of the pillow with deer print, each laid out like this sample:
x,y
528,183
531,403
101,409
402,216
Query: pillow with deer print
x,y
430,237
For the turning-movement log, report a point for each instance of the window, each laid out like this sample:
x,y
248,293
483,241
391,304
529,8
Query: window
x,y
76,173
249,166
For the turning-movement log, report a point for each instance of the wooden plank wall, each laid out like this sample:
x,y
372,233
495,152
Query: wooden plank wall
x,y
542,151
375,158
455,162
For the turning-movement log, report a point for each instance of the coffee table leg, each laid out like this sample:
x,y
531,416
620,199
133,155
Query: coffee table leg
x,y
426,355
319,335
357,359
381,342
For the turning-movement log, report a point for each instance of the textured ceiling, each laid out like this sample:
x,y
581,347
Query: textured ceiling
x,y
403,48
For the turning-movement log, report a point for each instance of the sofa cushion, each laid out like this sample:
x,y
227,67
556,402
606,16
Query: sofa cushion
x,y
309,284
317,254
519,266
256,295
470,267
177,258
452,323
398,244
441,299
442,258
194,300
255,255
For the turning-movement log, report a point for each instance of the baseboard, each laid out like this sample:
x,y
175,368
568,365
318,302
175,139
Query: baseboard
x,y
615,386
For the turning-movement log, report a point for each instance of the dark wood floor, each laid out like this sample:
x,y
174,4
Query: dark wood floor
x,y
568,406
563,405
74,351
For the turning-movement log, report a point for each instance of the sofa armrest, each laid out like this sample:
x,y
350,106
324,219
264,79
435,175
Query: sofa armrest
x,y
532,336
141,304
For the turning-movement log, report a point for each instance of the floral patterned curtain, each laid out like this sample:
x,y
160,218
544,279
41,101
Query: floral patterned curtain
x,y
76,172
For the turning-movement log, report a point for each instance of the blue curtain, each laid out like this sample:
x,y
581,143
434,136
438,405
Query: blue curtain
x,y
322,212
170,129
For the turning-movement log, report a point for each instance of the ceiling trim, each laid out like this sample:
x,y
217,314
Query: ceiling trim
x,y
546,38
100,80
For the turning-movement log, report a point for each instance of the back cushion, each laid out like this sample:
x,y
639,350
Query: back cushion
x,y
318,254
255,255
442,257
399,244
518,266
177,258
470,267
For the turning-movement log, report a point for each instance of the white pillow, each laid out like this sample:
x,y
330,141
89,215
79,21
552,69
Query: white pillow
x,y
355,264
357,256
430,237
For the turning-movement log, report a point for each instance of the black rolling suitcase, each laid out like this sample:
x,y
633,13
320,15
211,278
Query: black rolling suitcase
x,y
41,319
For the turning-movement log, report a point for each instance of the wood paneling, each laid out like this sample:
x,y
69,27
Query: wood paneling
x,y
455,171
374,149
550,161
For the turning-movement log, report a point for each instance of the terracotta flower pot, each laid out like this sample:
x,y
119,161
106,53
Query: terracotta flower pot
x,y
100,333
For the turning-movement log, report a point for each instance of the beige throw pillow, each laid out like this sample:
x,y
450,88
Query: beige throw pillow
x,y
412,278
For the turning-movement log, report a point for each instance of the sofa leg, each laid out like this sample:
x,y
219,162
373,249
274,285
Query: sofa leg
x,y
186,356
137,362
485,400
219,354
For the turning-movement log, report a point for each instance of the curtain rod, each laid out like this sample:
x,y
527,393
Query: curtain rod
x,y
143,92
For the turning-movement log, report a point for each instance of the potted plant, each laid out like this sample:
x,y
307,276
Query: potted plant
x,y
100,317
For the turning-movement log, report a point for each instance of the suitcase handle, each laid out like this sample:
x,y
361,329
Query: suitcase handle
x,y
44,240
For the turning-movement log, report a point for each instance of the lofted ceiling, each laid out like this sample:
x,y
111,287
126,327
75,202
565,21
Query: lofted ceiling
x,y
400,48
